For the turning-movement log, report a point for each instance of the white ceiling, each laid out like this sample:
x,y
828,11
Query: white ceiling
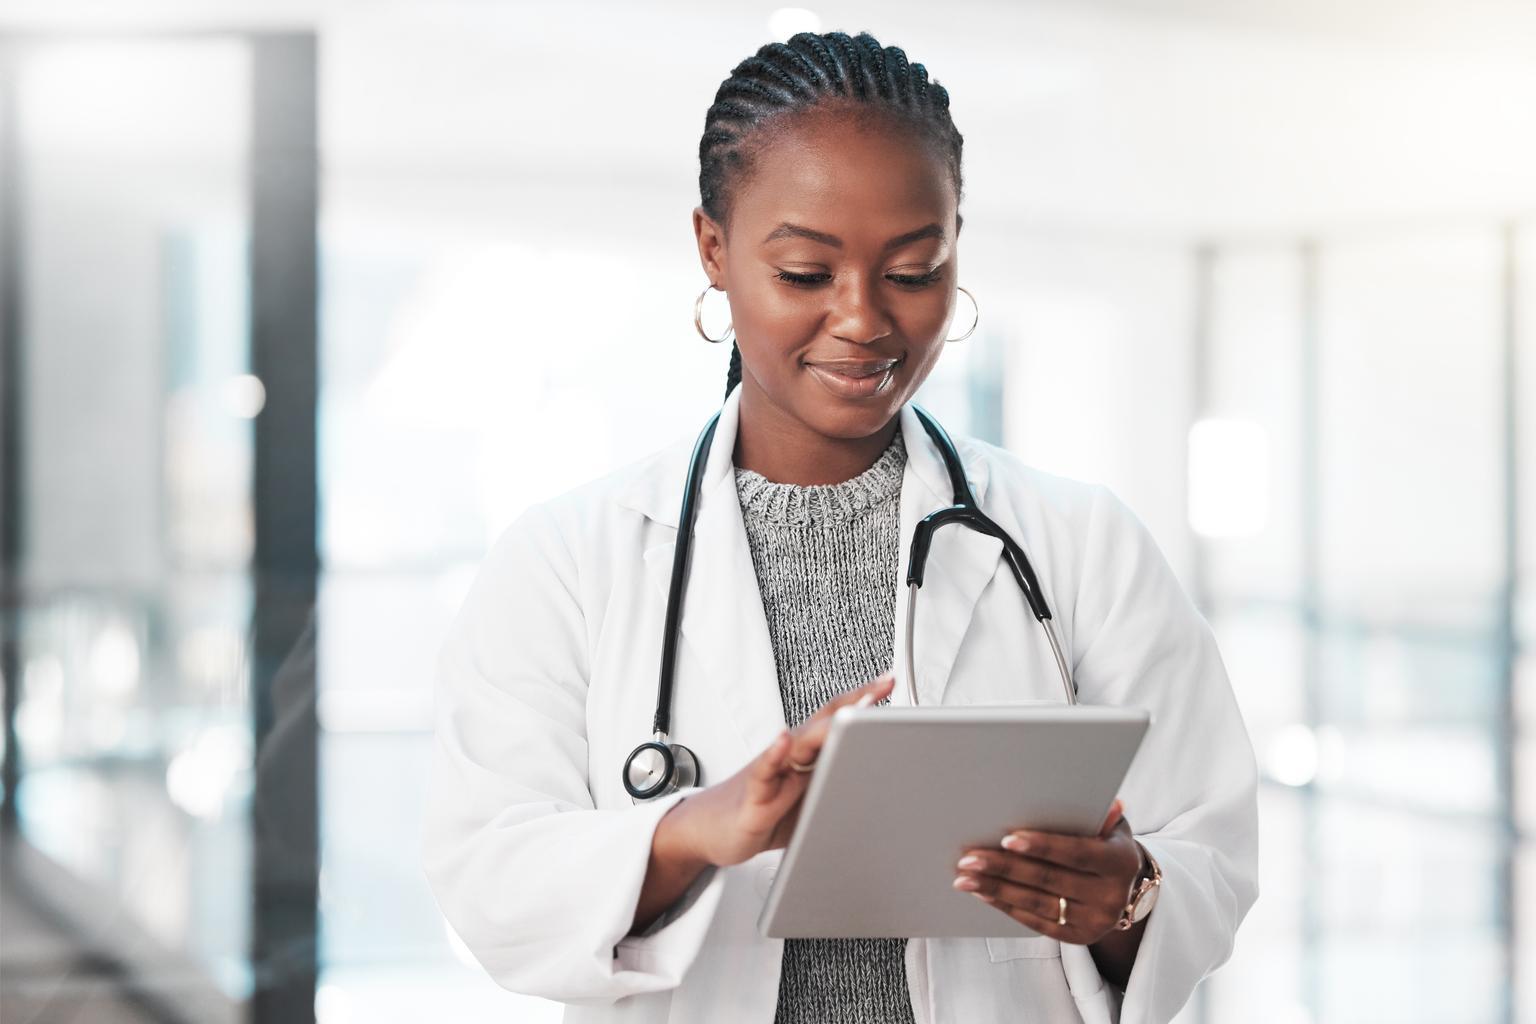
x,y
1128,116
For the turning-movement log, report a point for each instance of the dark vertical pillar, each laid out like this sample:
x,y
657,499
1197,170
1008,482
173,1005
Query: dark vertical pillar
x,y
284,356
10,422
1505,626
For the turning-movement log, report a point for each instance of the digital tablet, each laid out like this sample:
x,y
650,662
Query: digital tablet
x,y
899,793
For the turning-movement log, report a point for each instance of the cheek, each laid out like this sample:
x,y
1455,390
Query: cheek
x,y
921,360
772,323
952,308
782,313
926,328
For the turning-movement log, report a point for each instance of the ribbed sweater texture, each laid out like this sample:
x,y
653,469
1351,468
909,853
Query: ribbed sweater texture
x,y
826,559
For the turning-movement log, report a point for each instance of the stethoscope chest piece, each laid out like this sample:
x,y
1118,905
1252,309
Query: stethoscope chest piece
x,y
657,768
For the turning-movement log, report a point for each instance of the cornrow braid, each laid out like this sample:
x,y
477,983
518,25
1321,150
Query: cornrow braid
x,y
733,372
794,76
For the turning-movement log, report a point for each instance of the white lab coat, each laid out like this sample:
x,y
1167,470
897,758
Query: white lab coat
x,y
547,681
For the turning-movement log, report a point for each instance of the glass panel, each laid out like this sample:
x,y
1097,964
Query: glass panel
x,y
1524,769
1525,418
1381,678
1264,656
1098,381
1397,766
1411,487
1255,378
1381,891
134,727
442,359
1525,912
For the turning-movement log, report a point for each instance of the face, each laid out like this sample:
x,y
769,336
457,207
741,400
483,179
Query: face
x,y
839,263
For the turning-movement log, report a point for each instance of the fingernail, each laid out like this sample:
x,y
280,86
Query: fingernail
x,y
1015,843
966,883
971,861
865,701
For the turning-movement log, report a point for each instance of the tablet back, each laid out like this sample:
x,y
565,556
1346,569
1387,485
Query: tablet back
x,y
899,793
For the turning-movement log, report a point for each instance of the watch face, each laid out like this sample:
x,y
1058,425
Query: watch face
x,y
1144,902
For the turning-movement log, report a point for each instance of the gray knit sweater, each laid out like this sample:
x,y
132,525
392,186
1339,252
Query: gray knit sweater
x,y
826,560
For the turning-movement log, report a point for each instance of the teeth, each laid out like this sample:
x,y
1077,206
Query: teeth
x,y
861,371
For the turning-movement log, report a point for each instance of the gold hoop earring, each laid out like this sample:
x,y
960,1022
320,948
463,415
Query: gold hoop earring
x,y
975,321
698,319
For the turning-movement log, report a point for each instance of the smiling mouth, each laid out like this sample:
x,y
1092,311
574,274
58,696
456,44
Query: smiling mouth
x,y
855,378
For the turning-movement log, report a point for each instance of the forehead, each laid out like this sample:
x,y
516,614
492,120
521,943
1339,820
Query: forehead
x,y
850,174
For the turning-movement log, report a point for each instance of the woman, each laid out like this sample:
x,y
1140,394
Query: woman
x,y
830,185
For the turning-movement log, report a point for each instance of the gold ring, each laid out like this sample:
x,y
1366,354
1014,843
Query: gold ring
x,y
1061,910
797,766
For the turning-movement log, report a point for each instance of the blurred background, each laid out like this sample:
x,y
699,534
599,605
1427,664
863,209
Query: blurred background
x,y
302,301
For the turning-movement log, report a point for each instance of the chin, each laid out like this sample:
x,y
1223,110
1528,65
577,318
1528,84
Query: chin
x,y
849,421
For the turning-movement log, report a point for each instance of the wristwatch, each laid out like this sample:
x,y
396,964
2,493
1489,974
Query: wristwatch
x,y
1143,891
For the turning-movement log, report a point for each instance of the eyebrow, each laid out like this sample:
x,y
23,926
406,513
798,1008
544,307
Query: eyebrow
x,y
788,230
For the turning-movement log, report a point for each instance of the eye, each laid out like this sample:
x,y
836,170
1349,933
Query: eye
x,y
801,279
907,280
920,280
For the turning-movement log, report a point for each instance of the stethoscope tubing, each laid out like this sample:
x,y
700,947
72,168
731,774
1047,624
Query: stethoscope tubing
x,y
966,511
657,767
661,725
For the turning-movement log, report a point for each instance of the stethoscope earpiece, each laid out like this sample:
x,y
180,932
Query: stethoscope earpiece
x,y
657,768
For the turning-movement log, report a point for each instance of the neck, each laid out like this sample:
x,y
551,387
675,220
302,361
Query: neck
x,y
786,451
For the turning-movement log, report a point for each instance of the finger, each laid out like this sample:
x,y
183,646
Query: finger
x,y
807,741
995,865
1116,809
1045,905
1045,924
1041,911
1089,854
879,686
882,686
767,774
811,734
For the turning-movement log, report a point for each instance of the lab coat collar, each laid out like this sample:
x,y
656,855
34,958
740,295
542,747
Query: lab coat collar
x,y
723,621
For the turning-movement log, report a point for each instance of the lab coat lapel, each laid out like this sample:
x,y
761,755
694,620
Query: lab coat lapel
x,y
723,623
961,562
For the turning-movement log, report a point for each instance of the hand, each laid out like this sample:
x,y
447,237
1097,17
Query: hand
x,y
1026,878
756,809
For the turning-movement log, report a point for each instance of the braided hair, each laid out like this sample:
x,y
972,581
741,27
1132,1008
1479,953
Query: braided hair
x,y
794,76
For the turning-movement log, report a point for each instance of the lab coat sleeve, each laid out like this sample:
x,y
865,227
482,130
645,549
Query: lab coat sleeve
x,y
537,882
1191,795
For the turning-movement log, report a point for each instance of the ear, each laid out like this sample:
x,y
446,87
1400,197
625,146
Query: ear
x,y
711,239
959,223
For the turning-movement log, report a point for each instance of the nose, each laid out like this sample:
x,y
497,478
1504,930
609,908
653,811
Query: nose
x,y
858,313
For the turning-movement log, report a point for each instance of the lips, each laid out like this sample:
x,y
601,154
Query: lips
x,y
855,368
854,378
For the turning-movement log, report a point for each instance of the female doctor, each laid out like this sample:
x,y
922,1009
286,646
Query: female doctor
x,y
830,185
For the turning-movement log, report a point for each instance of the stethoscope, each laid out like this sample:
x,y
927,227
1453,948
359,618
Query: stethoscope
x,y
657,768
